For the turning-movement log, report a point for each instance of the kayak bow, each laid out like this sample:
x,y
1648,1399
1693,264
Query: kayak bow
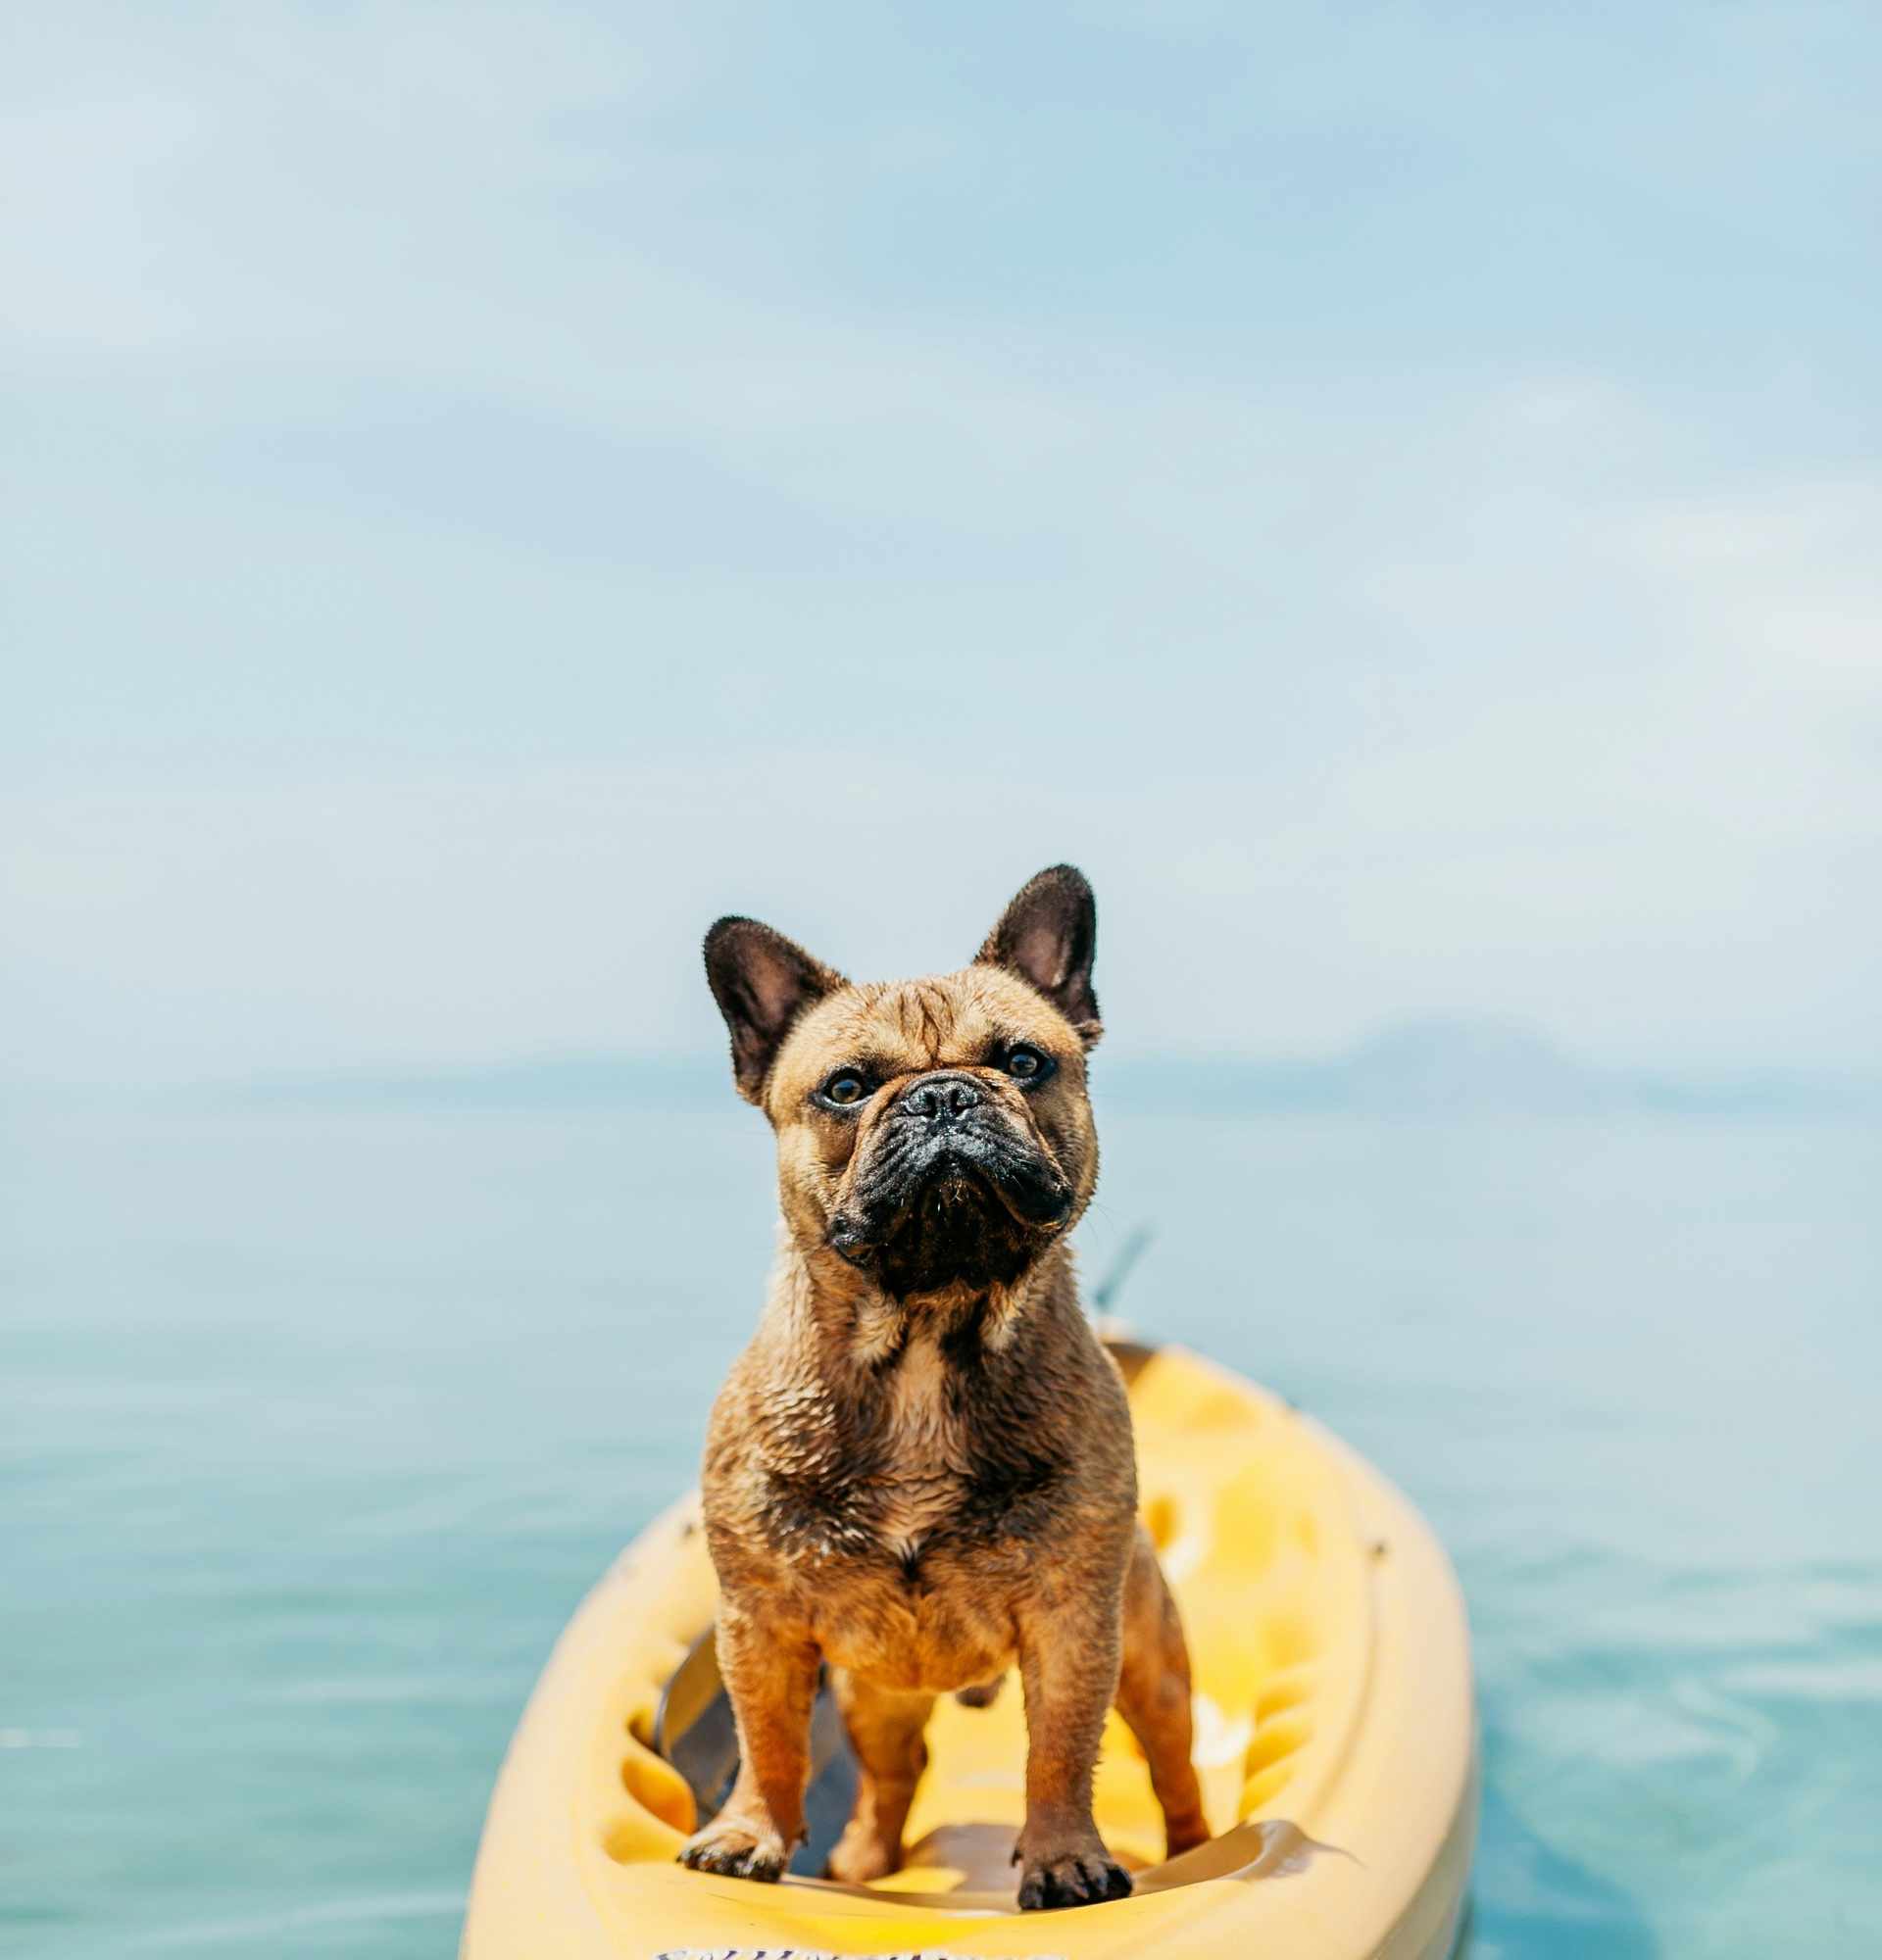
x,y
1335,1738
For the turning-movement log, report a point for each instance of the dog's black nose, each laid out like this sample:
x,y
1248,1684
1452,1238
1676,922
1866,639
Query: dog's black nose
x,y
941,1099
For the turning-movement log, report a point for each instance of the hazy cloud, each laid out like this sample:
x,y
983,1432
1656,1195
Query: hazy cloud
x,y
493,487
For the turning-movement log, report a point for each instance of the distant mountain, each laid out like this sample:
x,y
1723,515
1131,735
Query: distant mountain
x,y
1427,1068
1458,1067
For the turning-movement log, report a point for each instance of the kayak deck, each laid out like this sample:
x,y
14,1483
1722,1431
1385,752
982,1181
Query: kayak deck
x,y
1334,1737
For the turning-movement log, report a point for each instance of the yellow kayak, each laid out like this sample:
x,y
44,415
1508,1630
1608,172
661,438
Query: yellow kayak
x,y
1335,1738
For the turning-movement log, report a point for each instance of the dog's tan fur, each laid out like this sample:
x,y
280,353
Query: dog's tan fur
x,y
922,1470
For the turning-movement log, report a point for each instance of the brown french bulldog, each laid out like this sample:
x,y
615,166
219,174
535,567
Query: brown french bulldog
x,y
922,1470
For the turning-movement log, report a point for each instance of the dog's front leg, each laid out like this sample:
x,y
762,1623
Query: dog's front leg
x,y
1069,1660
770,1674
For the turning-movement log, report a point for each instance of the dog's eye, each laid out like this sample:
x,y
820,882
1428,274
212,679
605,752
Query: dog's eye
x,y
844,1090
1027,1064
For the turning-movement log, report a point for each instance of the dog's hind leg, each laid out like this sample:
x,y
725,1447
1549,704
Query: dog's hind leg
x,y
885,1731
1153,1697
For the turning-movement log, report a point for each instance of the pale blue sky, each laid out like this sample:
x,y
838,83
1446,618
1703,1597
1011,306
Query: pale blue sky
x,y
1393,491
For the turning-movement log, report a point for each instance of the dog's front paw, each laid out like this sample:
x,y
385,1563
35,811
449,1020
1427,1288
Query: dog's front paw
x,y
734,1850
1083,1873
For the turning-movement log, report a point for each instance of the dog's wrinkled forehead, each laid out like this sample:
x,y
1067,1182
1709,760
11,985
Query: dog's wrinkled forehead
x,y
906,1027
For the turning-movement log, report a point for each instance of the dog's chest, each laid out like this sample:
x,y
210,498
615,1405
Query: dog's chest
x,y
926,1452
925,1462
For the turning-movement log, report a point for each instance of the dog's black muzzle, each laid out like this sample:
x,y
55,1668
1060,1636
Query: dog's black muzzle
x,y
951,1191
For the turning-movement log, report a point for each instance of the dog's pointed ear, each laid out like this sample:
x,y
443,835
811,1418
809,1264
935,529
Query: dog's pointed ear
x,y
762,982
1049,937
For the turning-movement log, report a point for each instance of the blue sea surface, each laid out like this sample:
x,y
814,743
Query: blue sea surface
x,y
315,1426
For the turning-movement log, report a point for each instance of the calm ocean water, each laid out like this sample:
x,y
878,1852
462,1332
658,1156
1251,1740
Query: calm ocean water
x,y
314,1428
